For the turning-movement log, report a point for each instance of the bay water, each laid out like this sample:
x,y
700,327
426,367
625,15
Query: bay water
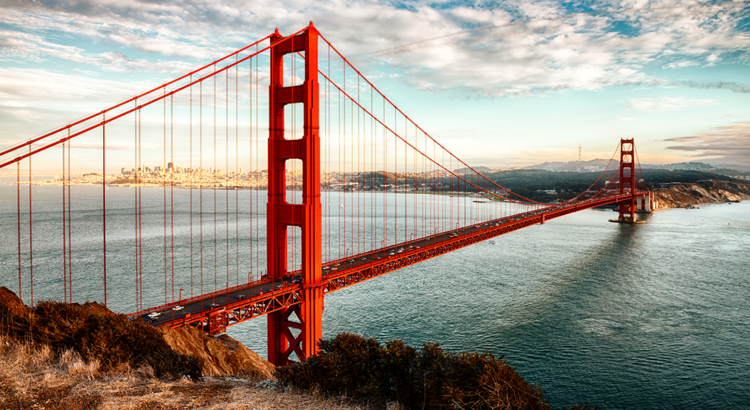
x,y
651,316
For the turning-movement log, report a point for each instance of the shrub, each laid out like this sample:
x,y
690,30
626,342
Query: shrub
x,y
96,334
430,377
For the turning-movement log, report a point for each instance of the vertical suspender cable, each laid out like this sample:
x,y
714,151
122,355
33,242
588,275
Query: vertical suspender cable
x,y
31,239
344,185
236,170
201,176
104,202
164,190
192,186
395,192
213,183
65,239
257,162
226,167
70,231
250,157
372,172
135,199
140,208
385,177
360,164
171,184
18,220
338,173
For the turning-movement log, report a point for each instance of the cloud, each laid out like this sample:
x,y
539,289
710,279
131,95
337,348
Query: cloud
x,y
729,144
46,87
663,104
679,64
511,48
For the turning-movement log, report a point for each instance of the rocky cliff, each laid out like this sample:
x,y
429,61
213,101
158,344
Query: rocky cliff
x,y
702,192
219,356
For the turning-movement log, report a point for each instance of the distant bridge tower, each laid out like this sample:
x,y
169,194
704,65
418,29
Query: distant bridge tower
x,y
627,179
298,328
580,147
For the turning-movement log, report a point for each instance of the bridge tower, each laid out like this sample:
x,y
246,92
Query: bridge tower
x,y
296,329
627,180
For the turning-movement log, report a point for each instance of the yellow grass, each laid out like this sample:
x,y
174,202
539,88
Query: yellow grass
x,y
32,377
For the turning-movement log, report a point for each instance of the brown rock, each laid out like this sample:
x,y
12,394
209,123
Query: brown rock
x,y
702,192
221,356
12,303
245,361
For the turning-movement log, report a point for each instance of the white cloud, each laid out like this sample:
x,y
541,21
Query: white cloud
x,y
679,64
50,88
519,47
663,104
712,59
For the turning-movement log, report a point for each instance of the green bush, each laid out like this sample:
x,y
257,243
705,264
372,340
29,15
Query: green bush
x,y
430,377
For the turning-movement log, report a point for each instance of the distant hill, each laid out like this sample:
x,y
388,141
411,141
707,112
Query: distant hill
x,y
594,165
682,166
598,165
480,169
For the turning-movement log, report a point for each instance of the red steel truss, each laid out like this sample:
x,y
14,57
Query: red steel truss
x,y
285,300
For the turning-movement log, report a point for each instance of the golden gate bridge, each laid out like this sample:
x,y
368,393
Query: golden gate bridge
x,y
355,190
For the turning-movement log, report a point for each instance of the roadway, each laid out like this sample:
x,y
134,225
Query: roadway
x,y
247,294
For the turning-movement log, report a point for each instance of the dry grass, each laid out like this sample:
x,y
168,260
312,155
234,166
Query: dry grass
x,y
32,377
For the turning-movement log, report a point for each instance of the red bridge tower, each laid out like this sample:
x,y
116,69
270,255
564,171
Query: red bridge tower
x,y
627,180
304,319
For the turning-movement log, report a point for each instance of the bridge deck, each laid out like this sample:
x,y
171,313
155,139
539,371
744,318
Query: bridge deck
x,y
217,310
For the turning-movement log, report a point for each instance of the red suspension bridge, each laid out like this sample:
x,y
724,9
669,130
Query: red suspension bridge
x,y
342,187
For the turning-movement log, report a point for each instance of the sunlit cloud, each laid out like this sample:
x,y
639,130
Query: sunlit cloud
x,y
729,144
663,104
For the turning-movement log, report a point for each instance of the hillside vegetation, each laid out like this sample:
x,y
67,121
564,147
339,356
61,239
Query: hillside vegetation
x,y
529,182
424,378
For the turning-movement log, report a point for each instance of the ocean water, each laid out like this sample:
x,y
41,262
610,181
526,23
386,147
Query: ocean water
x,y
653,316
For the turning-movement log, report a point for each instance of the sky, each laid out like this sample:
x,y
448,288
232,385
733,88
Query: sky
x,y
499,83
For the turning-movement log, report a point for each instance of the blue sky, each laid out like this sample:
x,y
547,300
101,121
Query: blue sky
x,y
502,84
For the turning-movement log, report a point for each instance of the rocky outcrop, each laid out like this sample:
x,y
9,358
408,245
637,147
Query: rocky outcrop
x,y
703,192
13,303
219,356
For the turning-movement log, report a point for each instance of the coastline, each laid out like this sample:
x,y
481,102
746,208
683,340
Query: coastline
x,y
686,195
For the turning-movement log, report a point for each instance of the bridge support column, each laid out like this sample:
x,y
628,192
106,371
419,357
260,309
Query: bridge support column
x,y
627,181
297,329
